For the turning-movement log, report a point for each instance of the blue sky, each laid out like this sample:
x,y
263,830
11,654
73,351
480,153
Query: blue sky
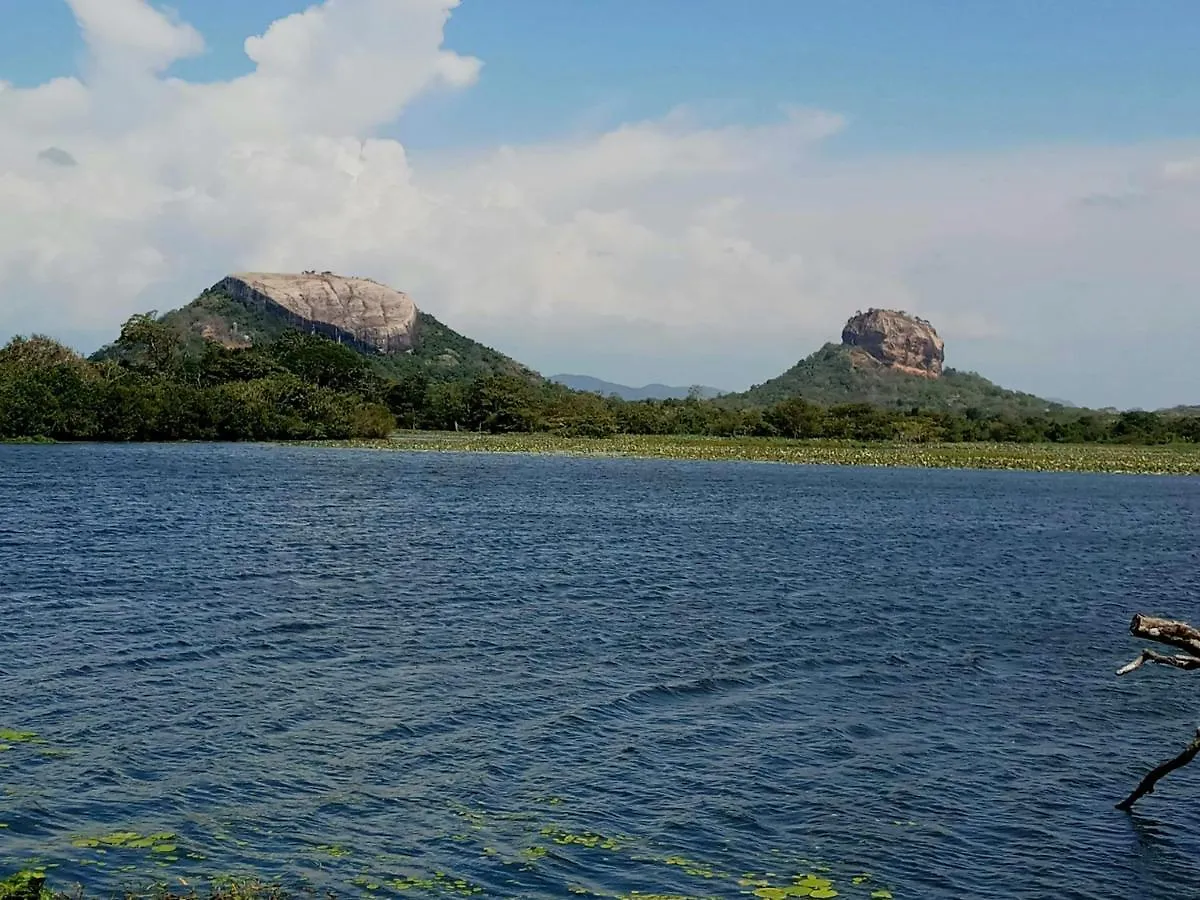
x,y
912,75
1014,170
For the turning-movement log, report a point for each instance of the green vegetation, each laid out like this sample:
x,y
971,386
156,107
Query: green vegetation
x,y
27,885
443,354
1173,459
31,885
504,404
830,376
13,736
150,385
154,384
439,353
222,370
506,853
216,315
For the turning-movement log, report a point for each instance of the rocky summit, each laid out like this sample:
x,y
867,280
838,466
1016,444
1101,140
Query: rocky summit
x,y
896,340
370,314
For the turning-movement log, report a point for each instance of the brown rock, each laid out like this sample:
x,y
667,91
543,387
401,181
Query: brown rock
x,y
897,340
219,332
357,309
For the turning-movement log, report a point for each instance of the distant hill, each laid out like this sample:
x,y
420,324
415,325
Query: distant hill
x,y
245,310
893,360
647,392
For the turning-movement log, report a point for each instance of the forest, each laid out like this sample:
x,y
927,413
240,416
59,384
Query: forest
x,y
152,385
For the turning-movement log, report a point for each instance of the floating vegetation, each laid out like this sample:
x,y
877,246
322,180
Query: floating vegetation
x,y
807,885
693,868
585,839
162,846
334,850
1170,459
10,736
161,842
438,883
522,852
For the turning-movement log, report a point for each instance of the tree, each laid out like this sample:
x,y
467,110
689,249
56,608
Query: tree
x,y
221,365
46,390
1182,637
502,403
795,418
37,352
323,362
1139,427
408,398
574,414
150,346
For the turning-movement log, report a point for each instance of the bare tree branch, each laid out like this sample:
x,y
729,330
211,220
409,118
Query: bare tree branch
x,y
1149,782
1181,636
1179,662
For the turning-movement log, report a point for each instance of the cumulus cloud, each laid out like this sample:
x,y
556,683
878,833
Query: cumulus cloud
x,y
672,249
131,34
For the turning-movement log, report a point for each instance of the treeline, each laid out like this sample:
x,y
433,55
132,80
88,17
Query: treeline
x,y
150,386
149,389
507,404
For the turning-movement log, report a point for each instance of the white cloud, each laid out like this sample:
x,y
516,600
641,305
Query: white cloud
x,y
662,250
130,34
1185,170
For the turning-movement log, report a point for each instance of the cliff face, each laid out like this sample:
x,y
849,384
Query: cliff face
x,y
365,312
896,340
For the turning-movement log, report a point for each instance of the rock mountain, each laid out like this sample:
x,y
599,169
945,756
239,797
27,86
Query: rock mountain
x,y
358,310
897,340
251,308
886,358
891,359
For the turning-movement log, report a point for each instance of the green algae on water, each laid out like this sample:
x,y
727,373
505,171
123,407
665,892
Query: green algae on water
x,y
9,736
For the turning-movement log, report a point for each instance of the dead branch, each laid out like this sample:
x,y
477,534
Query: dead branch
x,y
1181,636
1148,783
1179,662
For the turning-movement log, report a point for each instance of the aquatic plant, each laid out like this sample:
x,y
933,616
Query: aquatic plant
x,y
1173,459
10,736
524,848
27,885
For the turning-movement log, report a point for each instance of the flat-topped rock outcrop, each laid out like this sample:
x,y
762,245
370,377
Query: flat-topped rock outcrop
x,y
365,312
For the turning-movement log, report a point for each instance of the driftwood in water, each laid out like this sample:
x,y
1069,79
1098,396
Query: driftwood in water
x,y
1183,637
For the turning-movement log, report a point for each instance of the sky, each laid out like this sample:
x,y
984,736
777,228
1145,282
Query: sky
x,y
679,191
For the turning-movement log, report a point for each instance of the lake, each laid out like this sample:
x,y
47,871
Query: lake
x,y
516,676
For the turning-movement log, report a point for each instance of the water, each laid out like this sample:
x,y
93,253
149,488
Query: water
x,y
533,675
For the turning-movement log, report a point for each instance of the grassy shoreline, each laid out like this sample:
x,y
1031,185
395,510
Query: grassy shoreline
x,y
1171,459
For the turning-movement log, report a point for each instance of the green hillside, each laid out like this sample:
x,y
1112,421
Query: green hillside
x,y
440,352
830,377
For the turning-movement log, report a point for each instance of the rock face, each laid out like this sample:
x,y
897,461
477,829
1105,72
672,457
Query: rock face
x,y
897,340
358,310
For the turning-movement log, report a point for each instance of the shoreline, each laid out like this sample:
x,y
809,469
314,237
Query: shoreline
x,y
1112,459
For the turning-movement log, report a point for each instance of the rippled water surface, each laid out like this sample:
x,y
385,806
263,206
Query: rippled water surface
x,y
523,677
